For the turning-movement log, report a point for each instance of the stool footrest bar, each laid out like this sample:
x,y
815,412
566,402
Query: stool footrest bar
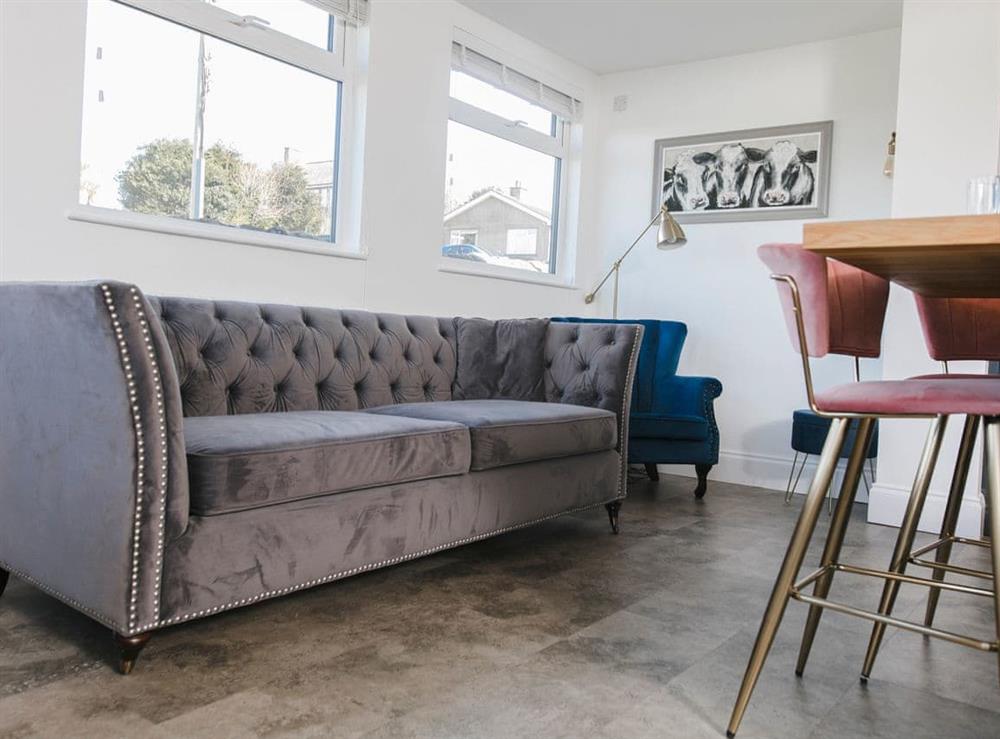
x,y
912,580
951,568
966,641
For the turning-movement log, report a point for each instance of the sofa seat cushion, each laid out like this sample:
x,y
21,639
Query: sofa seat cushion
x,y
512,431
258,459
664,426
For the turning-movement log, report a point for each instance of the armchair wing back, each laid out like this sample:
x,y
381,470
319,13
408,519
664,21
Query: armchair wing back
x,y
672,418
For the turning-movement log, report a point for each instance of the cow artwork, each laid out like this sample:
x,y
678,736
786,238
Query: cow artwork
x,y
746,175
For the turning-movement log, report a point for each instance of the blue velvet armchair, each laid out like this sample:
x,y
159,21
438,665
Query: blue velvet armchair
x,y
672,417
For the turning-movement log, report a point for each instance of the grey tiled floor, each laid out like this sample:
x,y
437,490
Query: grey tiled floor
x,y
561,630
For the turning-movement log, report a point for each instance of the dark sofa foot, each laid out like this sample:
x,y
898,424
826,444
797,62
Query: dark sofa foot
x,y
702,470
128,650
654,474
613,508
4,577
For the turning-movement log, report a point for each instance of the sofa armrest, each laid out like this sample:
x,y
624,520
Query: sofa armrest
x,y
593,364
686,396
93,477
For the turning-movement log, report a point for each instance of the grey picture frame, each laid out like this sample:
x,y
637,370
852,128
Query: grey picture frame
x,y
821,199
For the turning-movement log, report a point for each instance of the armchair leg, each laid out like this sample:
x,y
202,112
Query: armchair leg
x,y
613,508
652,472
129,648
702,471
4,577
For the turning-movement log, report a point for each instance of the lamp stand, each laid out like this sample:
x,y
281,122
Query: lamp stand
x,y
614,309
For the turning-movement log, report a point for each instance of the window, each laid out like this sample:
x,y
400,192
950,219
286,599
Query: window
x,y
508,137
464,236
227,112
522,242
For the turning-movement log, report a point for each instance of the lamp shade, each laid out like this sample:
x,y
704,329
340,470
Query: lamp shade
x,y
669,235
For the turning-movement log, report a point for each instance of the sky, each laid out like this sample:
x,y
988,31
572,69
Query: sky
x,y
141,85
477,160
144,87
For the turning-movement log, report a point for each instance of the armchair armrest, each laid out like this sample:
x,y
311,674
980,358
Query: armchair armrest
x,y
593,364
686,396
93,476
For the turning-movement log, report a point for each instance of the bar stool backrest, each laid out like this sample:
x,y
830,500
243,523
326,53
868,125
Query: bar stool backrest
x,y
843,307
957,329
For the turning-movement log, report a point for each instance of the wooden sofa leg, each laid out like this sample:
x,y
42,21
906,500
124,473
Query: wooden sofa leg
x,y
702,471
4,577
129,648
613,508
652,472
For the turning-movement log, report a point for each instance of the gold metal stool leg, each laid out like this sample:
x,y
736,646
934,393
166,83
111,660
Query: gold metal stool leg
x,y
835,539
791,474
789,568
992,433
904,541
951,511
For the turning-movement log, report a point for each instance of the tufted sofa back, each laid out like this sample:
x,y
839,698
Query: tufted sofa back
x,y
248,358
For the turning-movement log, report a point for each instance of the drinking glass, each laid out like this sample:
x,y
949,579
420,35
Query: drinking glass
x,y
984,195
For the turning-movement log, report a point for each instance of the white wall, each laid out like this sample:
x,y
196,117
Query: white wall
x,y
716,284
953,96
42,79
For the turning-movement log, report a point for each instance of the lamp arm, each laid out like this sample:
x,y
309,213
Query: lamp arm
x,y
589,297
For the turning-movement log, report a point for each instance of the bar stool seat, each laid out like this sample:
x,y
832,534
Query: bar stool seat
x,y
829,308
955,376
925,396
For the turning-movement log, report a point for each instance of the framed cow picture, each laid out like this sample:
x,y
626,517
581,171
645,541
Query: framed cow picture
x,y
751,175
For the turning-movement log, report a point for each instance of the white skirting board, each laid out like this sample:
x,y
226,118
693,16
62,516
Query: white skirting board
x,y
759,470
888,503
885,506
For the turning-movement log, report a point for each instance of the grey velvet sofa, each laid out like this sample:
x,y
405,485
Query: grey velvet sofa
x,y
166,459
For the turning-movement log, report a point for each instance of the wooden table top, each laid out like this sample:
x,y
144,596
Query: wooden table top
x,y
945,257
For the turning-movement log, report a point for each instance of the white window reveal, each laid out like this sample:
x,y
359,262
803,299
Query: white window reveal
x,y
233,113
508,141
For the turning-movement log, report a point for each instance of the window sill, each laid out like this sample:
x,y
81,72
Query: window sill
x,y
497,272
211,231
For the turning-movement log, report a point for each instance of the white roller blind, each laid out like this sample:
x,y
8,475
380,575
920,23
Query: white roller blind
x,y
499,75
352,11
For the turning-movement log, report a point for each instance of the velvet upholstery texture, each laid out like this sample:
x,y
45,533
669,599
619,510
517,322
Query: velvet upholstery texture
x,y
505,432
84,511
247,358
99,383
809,432
960,328
975,397
228,561
843,307
672,417
253,460
500,359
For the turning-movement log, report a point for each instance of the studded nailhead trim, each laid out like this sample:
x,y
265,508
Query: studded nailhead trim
x,y
99,617
623,416
162,482
363,568
161,432
160,475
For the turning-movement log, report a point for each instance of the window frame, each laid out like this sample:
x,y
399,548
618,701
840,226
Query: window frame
x,y
338,65
463,232
558,144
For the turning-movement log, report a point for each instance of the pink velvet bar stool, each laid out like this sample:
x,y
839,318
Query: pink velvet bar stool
x,y
820,298
955,329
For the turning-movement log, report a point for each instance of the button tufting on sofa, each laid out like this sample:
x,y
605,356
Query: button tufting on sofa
x,y
254,479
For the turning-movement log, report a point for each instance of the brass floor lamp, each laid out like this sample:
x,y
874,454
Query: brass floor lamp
x,y
669,236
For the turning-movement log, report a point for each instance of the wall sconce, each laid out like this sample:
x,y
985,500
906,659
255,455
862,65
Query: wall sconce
x,y
890,158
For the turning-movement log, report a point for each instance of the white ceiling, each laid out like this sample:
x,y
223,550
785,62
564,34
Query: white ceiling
x,y
616,35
